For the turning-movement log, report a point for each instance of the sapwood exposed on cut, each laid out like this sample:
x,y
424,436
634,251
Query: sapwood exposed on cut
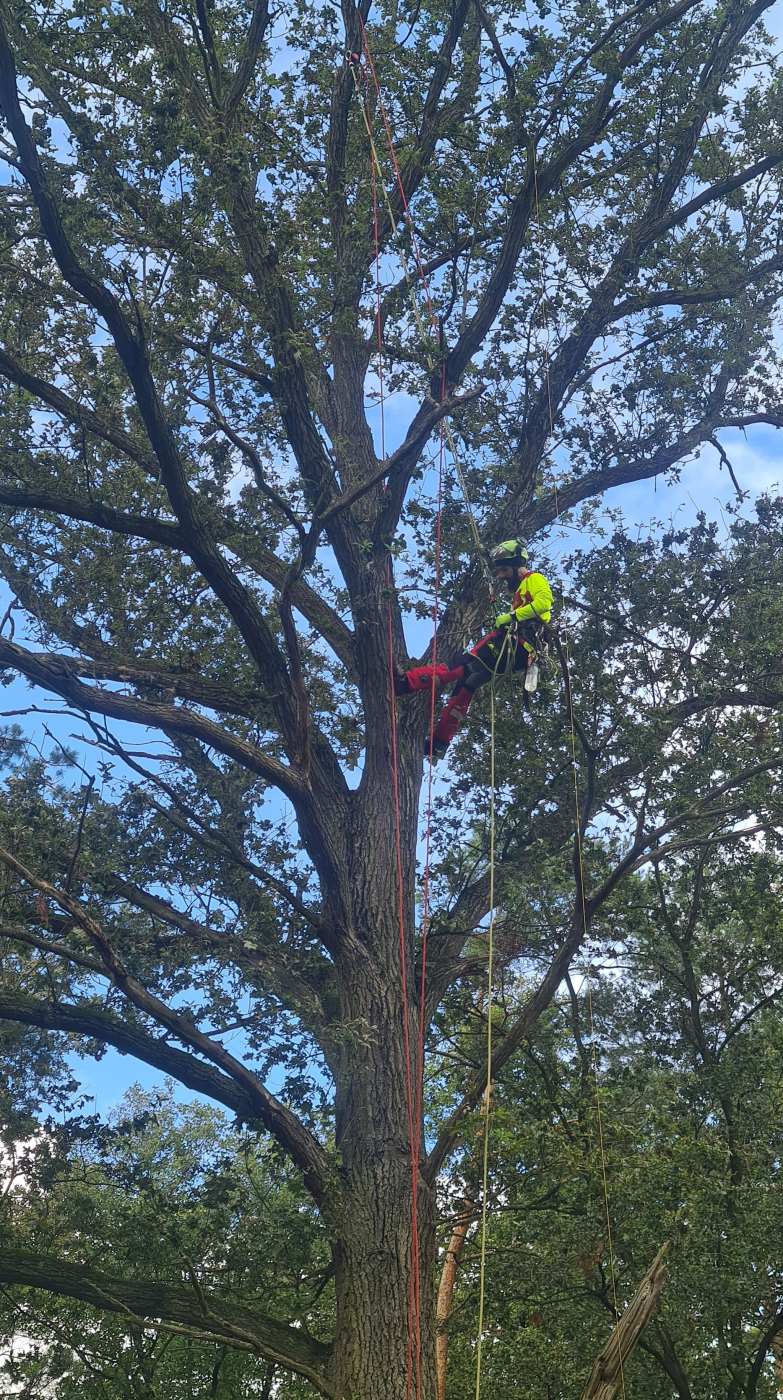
x,y
446,1290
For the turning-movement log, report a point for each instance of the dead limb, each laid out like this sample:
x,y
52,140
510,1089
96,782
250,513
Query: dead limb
x,y
607,1372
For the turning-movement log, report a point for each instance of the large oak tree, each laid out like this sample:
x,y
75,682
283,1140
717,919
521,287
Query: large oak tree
x,y
201,537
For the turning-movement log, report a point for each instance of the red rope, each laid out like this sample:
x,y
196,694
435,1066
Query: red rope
x,y
393,154
425,915
413,1307
414,1310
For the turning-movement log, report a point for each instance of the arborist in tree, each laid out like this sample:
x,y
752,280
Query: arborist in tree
x,y
513,646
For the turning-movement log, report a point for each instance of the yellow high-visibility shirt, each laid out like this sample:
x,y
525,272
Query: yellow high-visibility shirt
x,y
533,599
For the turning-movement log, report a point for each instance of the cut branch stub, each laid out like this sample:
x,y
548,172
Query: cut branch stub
x,y
607,1372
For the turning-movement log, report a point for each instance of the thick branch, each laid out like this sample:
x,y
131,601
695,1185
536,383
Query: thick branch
x,y
141,526
207,1315
47,945
697,296
597,482
86,1020
247,64
58,674
279,1120
263,561
78,413
183,685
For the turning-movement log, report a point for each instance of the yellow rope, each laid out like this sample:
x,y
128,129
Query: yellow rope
x,y
488,1087
578,833
588,980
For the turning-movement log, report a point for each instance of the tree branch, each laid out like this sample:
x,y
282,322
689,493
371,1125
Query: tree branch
x,y
290,1132
247,64
76,412
241,605
596,483
290,1347
105,517
650,225
47,945
697,296
402,460
86,1020
284,983
58,674
263,561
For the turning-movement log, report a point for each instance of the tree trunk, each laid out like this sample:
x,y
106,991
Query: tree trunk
x,y
381,1354
378,1343
607,1373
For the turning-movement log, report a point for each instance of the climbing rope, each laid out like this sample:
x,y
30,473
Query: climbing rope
x,y
445,430
488,1085
445,426
414,1326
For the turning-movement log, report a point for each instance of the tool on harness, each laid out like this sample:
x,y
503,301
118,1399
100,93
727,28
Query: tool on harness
x,y
424,677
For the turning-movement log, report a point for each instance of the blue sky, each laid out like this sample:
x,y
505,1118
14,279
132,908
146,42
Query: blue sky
x,y
756,458
757,461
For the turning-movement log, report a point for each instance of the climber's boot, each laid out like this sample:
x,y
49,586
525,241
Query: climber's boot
x,y
448,724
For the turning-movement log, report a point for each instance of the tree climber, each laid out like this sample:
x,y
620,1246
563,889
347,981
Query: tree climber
x,y
512,646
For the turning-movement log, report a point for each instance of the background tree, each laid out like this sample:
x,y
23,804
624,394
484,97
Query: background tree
x,y
685,1031
197,540
165,1188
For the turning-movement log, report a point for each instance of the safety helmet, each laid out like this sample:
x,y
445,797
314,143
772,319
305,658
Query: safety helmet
x,y
509,552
